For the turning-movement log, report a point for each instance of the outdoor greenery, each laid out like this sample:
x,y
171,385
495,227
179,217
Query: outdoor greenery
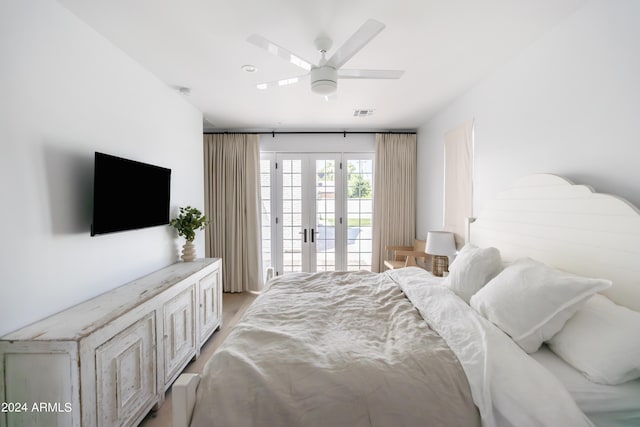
x,y
188,222
327,173
359,187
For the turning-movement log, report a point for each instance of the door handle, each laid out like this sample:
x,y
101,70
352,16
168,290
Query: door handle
x,y
313,238
304,233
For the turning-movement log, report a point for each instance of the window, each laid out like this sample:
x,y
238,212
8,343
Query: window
x,y
359,212
266,166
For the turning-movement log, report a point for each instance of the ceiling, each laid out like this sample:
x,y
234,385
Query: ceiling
x,y
444,46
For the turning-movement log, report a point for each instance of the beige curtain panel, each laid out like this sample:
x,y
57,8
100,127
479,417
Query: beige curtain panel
x,y
232,202
458,180
394,203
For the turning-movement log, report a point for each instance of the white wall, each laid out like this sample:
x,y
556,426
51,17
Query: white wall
x,y
319,143
66,92
569,105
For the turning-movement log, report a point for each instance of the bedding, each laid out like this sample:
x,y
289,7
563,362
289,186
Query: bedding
x,y
333,349
531,301
602,341
508,387
358,348
605,405
472,269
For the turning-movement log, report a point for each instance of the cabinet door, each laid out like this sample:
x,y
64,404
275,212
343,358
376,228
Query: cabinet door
x,y
179,333
210,304
38,384
126,374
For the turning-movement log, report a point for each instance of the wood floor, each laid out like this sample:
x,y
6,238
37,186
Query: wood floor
x,y
233,306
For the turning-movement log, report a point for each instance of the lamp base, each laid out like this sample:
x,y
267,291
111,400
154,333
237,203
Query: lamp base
x,y
439,265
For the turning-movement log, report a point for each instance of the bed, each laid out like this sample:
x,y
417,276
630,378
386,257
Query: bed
x,y
403,348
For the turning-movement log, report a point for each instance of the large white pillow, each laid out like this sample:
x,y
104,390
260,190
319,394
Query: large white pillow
x,y
531,301
472,269
602,340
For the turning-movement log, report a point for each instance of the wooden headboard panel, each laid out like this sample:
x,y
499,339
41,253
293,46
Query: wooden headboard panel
x,y
567,226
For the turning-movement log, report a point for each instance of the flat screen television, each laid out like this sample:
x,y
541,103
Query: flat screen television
x,y
128,195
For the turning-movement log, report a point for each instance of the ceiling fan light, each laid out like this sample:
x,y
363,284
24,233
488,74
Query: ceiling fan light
x,y
324,80
324,87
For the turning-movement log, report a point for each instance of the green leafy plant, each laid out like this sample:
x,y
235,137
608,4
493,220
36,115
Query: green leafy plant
x,y
359,187
188,222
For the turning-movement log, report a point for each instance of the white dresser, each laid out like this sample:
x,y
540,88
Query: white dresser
x,y
109,360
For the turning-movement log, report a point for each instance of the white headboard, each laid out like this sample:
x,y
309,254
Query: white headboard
x,y
567,226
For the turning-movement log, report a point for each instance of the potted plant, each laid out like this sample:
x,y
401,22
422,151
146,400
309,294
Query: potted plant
x,y
187,223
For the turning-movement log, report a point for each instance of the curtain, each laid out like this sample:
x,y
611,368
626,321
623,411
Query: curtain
x,y
458,180
232,202
394,202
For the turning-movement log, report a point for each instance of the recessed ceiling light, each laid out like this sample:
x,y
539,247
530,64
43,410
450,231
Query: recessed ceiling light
x,y
249,68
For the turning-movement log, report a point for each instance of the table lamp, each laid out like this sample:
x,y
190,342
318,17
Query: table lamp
x,y
440,244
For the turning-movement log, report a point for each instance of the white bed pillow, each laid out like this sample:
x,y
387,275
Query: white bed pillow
x,y
602,341
531,301
472,269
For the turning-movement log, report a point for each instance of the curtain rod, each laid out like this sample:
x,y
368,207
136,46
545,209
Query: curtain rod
x,y
274,133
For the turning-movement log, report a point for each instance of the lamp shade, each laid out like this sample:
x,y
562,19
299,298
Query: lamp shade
x,y
440,243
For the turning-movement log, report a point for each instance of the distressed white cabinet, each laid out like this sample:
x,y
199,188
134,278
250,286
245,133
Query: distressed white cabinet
x,y
210,304
126,374
179,332
109,360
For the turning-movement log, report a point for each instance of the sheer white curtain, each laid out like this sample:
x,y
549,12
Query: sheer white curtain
x,y
458,179
394,204
232,202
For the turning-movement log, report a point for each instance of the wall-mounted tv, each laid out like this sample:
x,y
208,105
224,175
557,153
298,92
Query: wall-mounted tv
x,y
128,195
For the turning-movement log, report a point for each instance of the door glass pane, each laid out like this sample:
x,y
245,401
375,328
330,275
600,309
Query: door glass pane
x,y
359,214
265,192
291,215
325,194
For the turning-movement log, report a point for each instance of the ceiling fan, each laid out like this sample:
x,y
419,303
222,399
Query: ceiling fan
x,y
324,76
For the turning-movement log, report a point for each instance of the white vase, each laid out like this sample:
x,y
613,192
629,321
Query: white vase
x,y
188,251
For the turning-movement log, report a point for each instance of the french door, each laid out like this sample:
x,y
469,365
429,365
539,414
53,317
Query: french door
x,y
316,213
307,215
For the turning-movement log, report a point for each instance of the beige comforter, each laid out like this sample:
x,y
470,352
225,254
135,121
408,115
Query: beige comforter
x,y
334,349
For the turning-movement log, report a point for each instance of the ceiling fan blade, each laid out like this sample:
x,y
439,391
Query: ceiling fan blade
x,y
370,74
283,53
357,41
281,82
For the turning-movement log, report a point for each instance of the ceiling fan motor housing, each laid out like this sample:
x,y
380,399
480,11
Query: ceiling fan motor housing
x,y
324,80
